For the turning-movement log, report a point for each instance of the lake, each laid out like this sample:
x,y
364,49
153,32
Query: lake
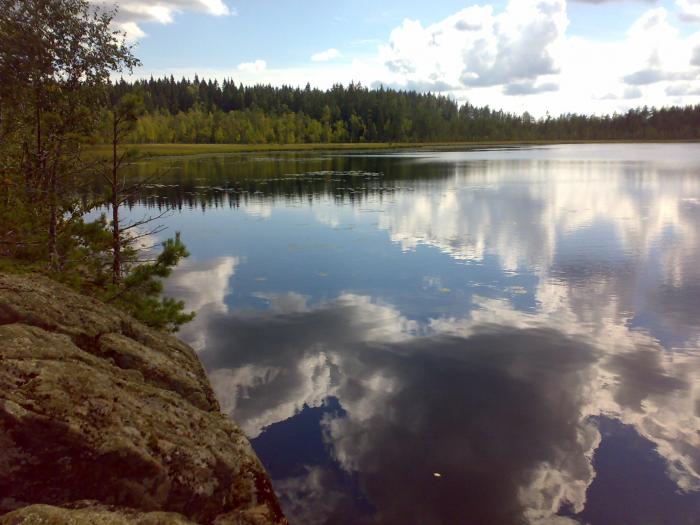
x,y
496,336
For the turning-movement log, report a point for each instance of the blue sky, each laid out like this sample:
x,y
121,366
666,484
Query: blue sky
x,y
539,55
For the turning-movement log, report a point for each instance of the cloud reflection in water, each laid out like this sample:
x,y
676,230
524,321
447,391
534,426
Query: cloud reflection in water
x,y
503,402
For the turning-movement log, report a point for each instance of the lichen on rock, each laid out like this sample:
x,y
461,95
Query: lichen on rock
x,y
95,406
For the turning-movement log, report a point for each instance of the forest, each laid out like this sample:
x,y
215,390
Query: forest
x,y
56,61
208,112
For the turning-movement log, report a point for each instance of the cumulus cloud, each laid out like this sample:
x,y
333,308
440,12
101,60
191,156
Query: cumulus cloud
x,y
464,25
652,76
646,76
695,57
203,283
529,88
131,13
683,90
325,56
632,92
522,47
204,286
628,93
659,49
523,50
479,47
293,363
258,66
688,10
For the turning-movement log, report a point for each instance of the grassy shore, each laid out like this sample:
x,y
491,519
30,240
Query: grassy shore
x,y
168,150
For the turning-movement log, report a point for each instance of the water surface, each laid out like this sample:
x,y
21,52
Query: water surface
x,y
498,336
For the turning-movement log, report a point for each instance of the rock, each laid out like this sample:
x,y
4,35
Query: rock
x,y
97,515
95,406
106,332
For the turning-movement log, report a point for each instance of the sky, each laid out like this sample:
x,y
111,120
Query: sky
x,y
556,56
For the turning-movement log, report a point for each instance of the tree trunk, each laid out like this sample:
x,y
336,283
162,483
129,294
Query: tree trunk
x,y
116,233
50,185
39,154
53,221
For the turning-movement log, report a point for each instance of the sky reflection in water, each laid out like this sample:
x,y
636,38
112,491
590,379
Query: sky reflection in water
x,y
523,323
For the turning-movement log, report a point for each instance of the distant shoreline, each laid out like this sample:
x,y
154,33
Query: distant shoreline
x,y
177,150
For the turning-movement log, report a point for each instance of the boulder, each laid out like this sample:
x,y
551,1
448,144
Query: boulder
x,y
96,407
91,515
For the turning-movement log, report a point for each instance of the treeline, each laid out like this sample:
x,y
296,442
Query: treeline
x,y
199,111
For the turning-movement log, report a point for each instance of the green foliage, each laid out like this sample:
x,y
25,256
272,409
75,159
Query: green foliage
x,y
206,112
56,58
140,292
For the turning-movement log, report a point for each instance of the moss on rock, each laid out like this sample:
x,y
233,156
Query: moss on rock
x,y
95,406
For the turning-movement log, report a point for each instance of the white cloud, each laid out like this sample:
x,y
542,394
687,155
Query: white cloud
x,y
657,51
515,58
689,10
131,13
519,58
203,283
215,7
632,92
681,90
325,56
479,48
529,88
132,31
204,286
253,67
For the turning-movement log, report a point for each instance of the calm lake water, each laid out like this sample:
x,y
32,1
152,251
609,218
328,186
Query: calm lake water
x,y
503,336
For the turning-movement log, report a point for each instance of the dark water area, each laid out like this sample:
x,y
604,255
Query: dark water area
x,y
500,336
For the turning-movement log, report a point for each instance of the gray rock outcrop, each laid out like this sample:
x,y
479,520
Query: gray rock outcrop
x,y
103,420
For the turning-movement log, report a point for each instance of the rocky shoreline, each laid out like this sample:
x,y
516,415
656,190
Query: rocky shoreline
x,y
103,420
